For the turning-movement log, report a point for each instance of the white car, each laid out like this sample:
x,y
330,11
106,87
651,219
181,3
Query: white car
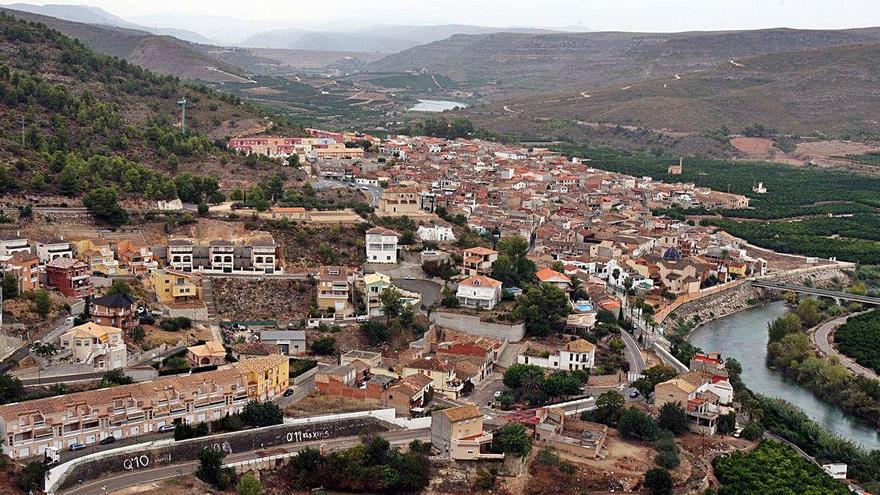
x,y
408,277
497,394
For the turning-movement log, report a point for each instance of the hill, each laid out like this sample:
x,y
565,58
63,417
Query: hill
x,y
72,121
830,91
508,63
380,38
95,15
161,54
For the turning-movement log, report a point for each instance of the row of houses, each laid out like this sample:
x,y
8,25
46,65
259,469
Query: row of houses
x,y
128,411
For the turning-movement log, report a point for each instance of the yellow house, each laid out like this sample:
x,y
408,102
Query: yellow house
x,y
98,254
267,377
172,286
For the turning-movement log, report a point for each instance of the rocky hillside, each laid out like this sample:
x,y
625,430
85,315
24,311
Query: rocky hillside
x,y
71,120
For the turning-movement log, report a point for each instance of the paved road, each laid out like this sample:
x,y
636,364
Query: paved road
x,y
822,339
123,480
485,391
632,353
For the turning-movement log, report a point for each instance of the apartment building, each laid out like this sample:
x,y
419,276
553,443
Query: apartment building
x,y
25,267
98,345
334,290
381,245
128,411
116,310
222,256
70,277
478,261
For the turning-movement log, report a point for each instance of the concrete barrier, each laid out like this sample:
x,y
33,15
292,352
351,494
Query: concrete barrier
x,y
511,332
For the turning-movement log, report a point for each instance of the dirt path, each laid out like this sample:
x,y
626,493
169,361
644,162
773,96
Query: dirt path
x,y
435,82
735,63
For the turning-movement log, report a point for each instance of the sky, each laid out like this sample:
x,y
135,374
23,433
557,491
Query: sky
x,y
597,15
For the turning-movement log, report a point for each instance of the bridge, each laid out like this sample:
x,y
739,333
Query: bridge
x,y
812,291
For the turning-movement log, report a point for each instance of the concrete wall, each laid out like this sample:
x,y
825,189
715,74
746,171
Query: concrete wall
x,y
155,454
472,324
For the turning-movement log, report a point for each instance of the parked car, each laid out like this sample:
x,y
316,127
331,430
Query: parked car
x,y
108,440
288,392
634,394
76,446
497,394
166,428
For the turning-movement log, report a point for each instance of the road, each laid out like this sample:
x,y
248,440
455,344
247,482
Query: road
x,y
124,480
822,340
59,326
632,353
374,192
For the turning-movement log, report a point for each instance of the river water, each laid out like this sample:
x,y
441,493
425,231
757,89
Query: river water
x,y
743,336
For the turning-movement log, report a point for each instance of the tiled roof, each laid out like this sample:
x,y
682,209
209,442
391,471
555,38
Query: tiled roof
x,y
462,413
580,345
481,281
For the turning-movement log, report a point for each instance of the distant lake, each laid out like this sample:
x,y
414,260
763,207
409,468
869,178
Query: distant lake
x,y
436,106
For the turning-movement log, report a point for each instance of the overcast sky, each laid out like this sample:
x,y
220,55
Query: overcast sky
x,y
628,15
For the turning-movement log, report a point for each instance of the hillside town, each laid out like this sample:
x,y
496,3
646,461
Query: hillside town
x,y
501,291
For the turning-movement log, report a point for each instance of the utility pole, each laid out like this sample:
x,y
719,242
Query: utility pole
x,y
182,103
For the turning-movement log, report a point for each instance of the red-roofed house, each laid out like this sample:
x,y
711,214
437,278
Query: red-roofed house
x,y
70,276
548,276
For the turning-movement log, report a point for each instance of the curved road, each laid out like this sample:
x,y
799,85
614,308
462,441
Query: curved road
x,y
124,480
632,353
822,340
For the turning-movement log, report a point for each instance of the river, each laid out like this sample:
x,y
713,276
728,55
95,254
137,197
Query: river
x,y
743,336
436,106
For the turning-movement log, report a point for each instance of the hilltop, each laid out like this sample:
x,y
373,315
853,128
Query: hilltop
x,y
158,53
71,120
509,63
814,92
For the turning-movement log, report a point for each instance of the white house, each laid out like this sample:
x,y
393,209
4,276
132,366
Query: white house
x,y
13,243
98,345
435,233
479,291
50,249
575,355
381,245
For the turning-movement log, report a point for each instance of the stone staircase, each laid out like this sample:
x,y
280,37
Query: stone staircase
x,y
208,293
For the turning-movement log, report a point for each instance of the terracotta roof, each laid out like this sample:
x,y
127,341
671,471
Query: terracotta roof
x,y
92,329
481,281
65,263
430,364
462,413
382,231
480,251
548,275
209,348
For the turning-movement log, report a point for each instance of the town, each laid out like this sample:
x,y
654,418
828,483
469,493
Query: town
x,y
502,297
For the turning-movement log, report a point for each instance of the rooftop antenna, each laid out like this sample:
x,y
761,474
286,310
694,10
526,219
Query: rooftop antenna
x,y
182,103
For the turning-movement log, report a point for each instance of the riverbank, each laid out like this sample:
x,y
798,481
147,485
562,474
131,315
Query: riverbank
x,y
745,296
744,337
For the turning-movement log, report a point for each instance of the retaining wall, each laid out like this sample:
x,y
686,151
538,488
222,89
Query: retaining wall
x,y
472,324
155,454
